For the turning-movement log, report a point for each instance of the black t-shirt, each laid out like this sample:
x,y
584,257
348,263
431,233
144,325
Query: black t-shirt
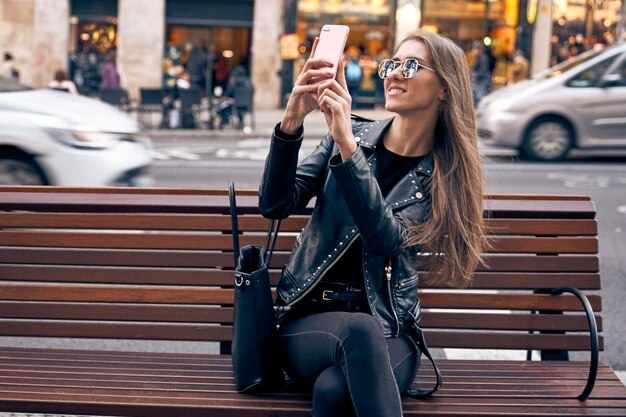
x,y
391,168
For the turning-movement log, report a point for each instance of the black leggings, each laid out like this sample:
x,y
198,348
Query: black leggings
x,y
351,367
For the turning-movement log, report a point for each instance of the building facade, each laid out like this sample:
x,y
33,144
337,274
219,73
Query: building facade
x,y
152,39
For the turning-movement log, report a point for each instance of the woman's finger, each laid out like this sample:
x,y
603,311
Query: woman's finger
x,y
334,86
313,76
341,74
314,47
304,89
330,92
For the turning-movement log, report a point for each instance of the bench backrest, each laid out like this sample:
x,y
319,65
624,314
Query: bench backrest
x,y
130,263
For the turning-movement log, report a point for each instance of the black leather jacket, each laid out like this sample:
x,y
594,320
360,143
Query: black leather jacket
x,y
349,204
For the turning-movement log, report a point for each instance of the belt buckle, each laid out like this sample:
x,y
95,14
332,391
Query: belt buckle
x,y
325,294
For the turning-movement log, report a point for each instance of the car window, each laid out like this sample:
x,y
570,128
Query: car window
x,y
590,76
571,63
620,70
8,85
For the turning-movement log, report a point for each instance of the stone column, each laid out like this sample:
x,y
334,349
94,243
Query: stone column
x,y
408,19
36,33
141,40
50,39
266,52
541,45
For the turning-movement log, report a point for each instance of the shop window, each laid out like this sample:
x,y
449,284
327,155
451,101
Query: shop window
x,y
93,35
198,50
91,41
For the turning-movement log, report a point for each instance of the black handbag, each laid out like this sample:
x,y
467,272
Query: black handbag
x,y
255,340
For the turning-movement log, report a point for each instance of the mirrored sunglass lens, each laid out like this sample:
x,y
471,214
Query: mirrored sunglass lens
x,y
409,68
386,68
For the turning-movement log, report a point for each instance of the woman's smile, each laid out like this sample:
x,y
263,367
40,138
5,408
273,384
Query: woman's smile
x,y
395,90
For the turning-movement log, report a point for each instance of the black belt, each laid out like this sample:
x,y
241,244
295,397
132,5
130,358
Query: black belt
x,y
335,291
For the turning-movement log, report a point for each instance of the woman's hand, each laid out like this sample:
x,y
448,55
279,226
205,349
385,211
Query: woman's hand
x,y
303,98
336,104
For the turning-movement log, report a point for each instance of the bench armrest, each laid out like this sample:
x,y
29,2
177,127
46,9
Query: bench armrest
x,y
593,333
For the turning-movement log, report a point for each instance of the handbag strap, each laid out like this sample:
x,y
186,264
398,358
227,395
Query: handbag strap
x,y
272,233
233,220
418,337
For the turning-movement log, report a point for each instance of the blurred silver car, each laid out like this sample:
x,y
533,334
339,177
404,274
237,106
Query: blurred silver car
x,y
52,137
580,103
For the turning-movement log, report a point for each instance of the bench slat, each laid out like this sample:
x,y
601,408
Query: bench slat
x,y
199,332
116,330
207,295
206,241
542,227
468,300
178,221
200,259
202,276
539,209
520,341
120,203
224,315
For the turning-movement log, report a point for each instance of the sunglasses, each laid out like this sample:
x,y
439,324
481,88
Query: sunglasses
x,y
408,67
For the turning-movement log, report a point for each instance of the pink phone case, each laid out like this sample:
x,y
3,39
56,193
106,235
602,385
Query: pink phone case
x,y
331,44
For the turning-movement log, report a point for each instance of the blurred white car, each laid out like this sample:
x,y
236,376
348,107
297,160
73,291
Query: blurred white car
x,y
580,103
52,137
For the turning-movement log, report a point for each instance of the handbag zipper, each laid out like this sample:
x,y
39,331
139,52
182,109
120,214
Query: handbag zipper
x,y
393,310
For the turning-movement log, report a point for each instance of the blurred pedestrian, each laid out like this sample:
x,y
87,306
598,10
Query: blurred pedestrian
x,y
220,72
520,69
8,68
354,76
196,67
238,80
62,82
110,75
491,65
379,95
481,74
345,285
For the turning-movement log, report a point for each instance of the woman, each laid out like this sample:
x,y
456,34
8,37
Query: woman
x,y
110,75
62,82
385,192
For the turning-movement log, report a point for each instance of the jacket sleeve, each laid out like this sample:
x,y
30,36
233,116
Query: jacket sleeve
x,y
286,185
382,230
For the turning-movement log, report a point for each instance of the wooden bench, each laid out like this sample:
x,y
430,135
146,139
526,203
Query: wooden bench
x,y
156,264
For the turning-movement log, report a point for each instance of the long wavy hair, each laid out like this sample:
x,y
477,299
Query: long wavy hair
x,y
454,234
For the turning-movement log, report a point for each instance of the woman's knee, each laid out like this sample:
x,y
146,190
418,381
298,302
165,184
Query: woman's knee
x,y
331,396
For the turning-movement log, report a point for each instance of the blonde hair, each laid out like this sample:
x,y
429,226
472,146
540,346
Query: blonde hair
x,y
454,233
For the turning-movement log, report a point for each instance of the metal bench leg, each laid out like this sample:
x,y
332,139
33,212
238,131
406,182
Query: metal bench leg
x,y
593,333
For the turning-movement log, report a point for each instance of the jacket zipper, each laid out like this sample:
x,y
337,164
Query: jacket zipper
x,y
408,282
393,310
319,277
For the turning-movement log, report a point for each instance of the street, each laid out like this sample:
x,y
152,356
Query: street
x,y
211,162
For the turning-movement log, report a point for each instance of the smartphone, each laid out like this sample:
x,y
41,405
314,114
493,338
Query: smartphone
x,y
331,44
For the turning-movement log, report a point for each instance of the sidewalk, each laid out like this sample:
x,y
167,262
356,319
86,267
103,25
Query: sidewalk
x,y
265,120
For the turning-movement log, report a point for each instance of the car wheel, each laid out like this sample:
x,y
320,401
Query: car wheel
x,y
20,170
548,139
